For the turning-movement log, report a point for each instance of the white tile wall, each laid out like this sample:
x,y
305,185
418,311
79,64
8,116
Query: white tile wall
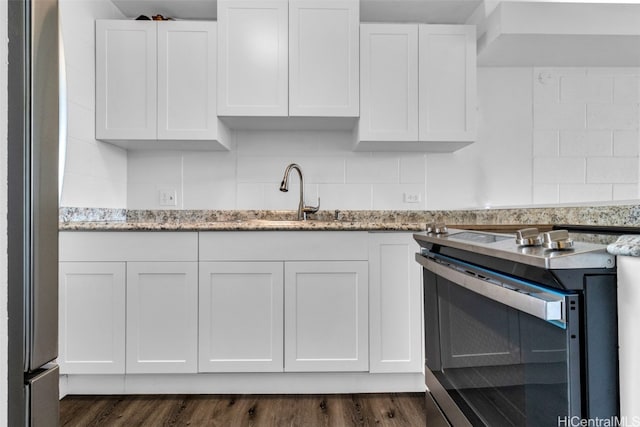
x,y
496,170
249,177
586,139
95,172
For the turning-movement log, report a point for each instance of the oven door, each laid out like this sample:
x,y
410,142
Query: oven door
x,y
499,350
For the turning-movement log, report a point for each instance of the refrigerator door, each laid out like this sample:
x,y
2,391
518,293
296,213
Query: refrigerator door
x,y
32,146
41,308
42,393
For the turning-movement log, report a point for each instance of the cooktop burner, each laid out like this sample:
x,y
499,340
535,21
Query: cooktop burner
x,y
555,249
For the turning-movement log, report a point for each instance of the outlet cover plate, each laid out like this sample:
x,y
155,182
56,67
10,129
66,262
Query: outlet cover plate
x,y
167,197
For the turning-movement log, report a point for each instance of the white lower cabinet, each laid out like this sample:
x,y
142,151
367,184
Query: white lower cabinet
x,y
395,304
307,311
326,316
162,317
241,317
254,319
128,302
92,317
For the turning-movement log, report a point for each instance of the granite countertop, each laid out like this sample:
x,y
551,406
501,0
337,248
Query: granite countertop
x,y
102,219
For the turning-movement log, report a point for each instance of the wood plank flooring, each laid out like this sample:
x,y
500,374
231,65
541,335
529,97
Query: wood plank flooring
x,y
332,410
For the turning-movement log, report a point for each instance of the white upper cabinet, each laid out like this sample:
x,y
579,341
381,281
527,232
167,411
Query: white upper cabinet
x,y
125,80
186,90
156,84
253,58
447,83
323,58
280,58
389,82
418,87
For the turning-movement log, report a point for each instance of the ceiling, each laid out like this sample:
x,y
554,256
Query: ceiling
x,y
427,11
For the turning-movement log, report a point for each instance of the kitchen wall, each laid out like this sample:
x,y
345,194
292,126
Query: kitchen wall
x,y
585,141
95,172
248,178
545,136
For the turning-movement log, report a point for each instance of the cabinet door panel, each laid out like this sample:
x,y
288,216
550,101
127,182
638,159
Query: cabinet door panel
x,y
241,317
323,57
92,318
162,317
253,58
187,80
389,82
326,316
126,81
447,82
395,308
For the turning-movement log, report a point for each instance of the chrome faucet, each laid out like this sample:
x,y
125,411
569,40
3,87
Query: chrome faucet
x,y
284,187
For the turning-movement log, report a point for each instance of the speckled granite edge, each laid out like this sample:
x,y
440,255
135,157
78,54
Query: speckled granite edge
x,y
122,219
91,215
625,245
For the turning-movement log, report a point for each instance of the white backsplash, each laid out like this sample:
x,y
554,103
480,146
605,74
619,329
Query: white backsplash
x,y
545,136
95,173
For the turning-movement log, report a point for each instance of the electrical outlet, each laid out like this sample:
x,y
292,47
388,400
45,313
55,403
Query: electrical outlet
x,y
167,197
412,197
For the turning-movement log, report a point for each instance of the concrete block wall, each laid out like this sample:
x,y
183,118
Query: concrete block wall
x,y
585,134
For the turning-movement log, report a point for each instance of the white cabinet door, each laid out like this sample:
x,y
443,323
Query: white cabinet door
x,y
326,316
253,58
395,304
162,317
323,58
447,82
389,82
92,317
125,80
241,317
187,80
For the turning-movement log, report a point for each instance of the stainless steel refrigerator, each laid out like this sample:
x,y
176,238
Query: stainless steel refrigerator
x,y
33,212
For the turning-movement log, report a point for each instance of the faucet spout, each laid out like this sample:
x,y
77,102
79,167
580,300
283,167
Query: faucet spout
x,y
284,187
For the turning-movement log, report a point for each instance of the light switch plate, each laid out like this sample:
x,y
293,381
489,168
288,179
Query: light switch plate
x,y
412,197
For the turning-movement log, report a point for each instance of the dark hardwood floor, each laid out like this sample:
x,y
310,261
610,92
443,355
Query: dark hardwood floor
x,y
331,410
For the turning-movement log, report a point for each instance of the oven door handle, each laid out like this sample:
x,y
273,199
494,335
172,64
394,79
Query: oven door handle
x,y
545,306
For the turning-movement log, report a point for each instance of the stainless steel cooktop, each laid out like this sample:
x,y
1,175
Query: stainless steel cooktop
x,y
553,250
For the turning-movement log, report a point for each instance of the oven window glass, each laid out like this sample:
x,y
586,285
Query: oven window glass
x,y
503,367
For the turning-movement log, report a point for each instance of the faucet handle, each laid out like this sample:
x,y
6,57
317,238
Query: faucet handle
x,y
311,209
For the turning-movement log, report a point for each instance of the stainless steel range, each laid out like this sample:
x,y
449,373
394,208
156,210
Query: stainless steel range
x,y
519,330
